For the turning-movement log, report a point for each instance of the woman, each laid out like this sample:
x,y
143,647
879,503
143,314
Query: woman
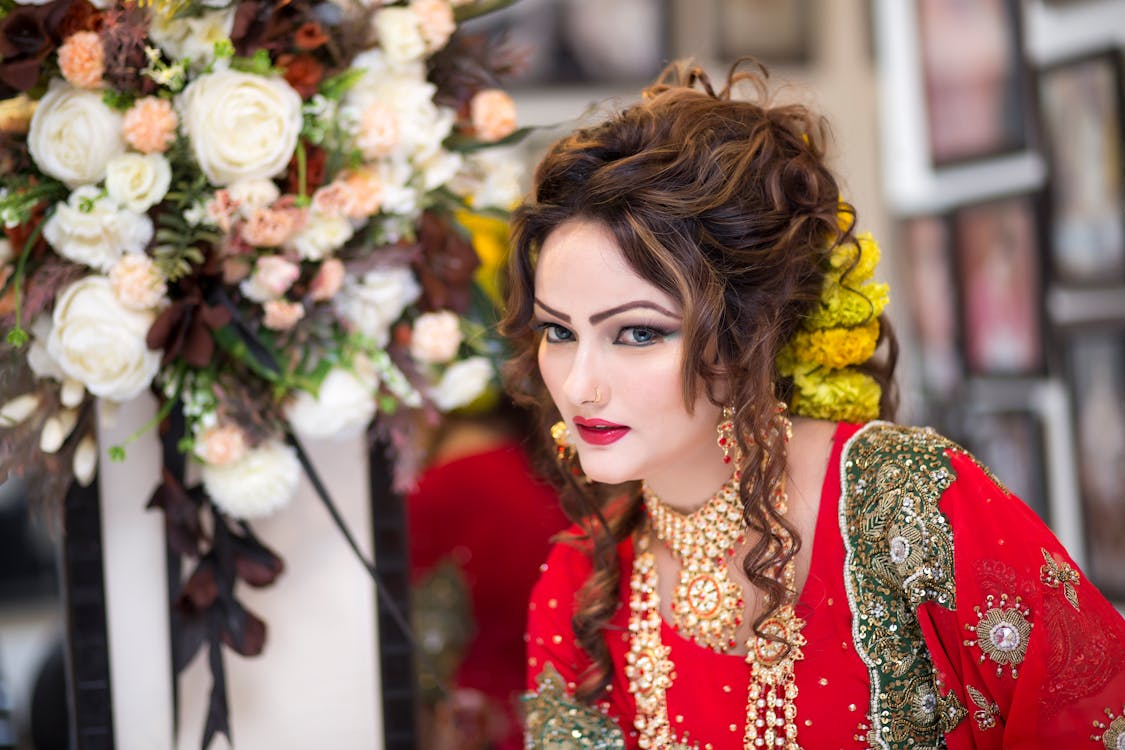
x,y
688,298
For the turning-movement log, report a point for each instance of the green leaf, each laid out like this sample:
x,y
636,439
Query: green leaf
x,y
117,453
334,87
465,144
479,8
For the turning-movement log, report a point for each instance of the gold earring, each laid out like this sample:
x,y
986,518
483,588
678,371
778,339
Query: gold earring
x,y
565,453
726,440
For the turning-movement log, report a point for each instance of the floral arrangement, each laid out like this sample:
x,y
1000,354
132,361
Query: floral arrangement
x,y
841,333
265,213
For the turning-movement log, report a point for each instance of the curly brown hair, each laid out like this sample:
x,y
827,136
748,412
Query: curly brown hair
x,y
726,205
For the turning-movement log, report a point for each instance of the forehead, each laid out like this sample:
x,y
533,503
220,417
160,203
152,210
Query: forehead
x,y
582,265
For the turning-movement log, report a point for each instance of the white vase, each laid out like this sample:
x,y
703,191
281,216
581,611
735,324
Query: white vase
x,y
316,683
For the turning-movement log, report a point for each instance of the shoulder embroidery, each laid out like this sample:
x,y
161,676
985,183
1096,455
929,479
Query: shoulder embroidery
x,y
899,554
554,720
1055,573
1112,734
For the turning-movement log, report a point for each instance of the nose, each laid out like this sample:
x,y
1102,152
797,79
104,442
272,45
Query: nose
x,y
583,384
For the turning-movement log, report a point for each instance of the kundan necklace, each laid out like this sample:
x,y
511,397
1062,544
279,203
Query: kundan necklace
x,y
707,604
771,709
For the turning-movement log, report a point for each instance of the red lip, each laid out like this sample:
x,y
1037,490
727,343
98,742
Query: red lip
x,y
599,431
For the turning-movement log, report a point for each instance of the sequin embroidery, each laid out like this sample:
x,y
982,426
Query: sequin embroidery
x,y
554,720
1001,633
899,554
1055,573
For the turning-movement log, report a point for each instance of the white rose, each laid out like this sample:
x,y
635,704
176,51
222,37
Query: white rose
x,y
90,228
462,383
439,169
38,358
257,484
74,134
341,409
138,181
101,343
497,174
250,195
373,304
192,38
399,195
399,36
321,236
241,126
436,337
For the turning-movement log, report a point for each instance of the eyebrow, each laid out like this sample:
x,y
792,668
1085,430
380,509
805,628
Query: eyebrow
x,y
600,316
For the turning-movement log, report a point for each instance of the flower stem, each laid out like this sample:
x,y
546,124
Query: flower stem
x,y
17,337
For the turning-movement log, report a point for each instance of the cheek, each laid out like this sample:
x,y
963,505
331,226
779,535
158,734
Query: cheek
x,y
549,369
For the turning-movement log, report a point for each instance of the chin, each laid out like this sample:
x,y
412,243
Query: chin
x,y
613,473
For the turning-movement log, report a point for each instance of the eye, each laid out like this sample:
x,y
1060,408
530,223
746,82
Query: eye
x,y
640,335
555,333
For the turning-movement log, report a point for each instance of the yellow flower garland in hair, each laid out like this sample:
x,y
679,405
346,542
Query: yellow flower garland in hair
x,y
841,332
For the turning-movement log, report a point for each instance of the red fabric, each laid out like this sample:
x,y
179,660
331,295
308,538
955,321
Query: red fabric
x,y
1072,673
491,516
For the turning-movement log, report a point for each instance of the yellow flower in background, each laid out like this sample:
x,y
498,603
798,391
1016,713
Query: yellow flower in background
x,y
836,347
490,240
842,258
848,306
839,395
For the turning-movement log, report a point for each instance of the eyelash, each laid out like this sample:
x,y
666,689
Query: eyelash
x,y
658,334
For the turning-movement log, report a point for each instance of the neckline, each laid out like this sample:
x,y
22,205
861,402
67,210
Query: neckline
x,y
827,505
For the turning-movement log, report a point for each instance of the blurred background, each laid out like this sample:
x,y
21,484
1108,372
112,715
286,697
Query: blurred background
x,y
981,142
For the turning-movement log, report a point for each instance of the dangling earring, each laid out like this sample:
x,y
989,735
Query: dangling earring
x,y
565,453
732,452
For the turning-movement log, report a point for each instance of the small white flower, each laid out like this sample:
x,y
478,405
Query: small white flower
x,y
252,194
16,410
341,409
85,461
192,38
439,168
101,343
436,337
138,181
90,229
74,134
399,35
462,383
321,236
373,304
256,485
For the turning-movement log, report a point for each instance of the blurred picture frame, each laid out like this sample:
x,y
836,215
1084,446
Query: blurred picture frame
x,y
927,246
582,42
1082,118
1010,442
1095,364
974,78
999,279
772,31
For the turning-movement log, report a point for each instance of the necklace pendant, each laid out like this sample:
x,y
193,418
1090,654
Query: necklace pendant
x,y
705,606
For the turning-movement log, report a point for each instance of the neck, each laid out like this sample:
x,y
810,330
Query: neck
x,y
688,492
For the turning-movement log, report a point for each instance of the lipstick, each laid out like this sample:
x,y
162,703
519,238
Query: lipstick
x,y
599,431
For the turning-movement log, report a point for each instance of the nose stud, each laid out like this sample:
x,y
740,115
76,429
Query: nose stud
x,y
597,397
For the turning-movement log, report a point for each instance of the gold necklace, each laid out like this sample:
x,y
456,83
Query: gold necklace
x,y
771,710
707,604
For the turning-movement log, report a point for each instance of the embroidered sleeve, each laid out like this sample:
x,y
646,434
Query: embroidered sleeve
x,y
554,719
977,628
1033,650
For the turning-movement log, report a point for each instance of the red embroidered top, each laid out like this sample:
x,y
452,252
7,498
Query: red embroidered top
x,y
937,604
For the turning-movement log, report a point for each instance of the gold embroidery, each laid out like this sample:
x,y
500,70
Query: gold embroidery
x,y
899,555
1001,633
554,720
987,711
1113,733
1055,573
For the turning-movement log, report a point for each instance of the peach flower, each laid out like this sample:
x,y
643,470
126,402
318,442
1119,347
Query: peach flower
x,y
281,315
366,191
493,114
137,282
435,21
150,125
378,131
222,208
222,444
328,280
268,227
82,59
272,276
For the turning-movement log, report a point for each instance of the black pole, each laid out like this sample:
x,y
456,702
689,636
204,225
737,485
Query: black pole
x,y
396,654
83,583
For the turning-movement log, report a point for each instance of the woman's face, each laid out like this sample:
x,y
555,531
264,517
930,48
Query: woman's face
x,y
611,355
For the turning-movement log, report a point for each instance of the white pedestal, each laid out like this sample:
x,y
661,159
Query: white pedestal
x,y
315,684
